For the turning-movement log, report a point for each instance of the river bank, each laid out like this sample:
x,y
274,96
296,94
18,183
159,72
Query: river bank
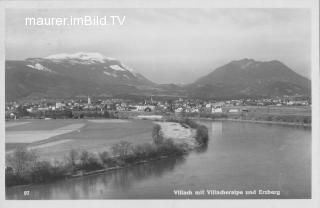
x,y
123,154
88,173
101,171
257,121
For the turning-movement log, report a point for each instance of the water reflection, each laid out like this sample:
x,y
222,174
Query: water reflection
x,y
98,186
216,128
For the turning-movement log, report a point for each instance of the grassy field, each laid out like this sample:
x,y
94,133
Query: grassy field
x,y
39,135
294,115
53,139
39,124
93,136
278,110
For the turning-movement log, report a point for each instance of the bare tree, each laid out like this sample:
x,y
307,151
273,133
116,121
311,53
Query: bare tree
x,y
22,160
121,149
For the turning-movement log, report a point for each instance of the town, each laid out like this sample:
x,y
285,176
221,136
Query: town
x,y
113,107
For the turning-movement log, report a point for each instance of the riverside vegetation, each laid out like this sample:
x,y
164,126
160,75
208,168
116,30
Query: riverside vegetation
x,y
24,166
277,118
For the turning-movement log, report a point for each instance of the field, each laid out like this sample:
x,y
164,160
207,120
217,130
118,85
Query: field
x,y
293,115
276,110
53,139
39,135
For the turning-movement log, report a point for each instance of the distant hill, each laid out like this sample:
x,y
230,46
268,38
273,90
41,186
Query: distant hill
x,y
248,77
67,75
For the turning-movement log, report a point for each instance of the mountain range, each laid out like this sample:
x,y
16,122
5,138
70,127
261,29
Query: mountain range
x,y
81,74
69,75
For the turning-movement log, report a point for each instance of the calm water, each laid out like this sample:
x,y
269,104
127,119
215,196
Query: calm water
x,y
240,156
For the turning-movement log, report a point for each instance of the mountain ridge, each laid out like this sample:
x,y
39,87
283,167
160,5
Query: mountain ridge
x,y
71,74
67,75
248,77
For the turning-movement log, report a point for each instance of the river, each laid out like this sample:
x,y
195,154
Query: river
x,y
240,157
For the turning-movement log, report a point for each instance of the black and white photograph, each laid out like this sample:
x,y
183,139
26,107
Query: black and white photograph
x,y
160,103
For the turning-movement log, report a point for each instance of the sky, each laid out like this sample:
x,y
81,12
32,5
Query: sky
x,y
170,45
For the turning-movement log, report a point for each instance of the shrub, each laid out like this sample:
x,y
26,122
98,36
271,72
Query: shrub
x,y
59,170
84,157
22,161
157,134
112,162
139,151
107,160
131,158
143,151
168,147
13,179
121,149
202,135
73,157
89,162
151,150
44,172
41,172
104,157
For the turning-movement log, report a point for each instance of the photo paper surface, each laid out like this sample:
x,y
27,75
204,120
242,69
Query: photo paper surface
x,y
148,101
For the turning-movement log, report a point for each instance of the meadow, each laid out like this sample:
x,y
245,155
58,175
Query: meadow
x,y
53,139
293,115
276,110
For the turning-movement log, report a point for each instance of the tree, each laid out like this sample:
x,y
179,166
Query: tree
x,y
171,106
41,172
84,157
157,134
72,158
121,149
202,135
22,161
22,111
89,161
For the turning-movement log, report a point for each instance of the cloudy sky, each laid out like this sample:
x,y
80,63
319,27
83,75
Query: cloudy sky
x,y
170,45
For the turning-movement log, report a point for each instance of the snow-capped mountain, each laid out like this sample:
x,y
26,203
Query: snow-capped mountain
x,y
84,66
39,67
90,56
79,72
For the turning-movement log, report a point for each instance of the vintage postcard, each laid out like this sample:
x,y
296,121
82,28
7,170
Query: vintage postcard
x,y
175,104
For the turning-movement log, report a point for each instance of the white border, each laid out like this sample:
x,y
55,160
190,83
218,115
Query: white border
x,y
313,5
